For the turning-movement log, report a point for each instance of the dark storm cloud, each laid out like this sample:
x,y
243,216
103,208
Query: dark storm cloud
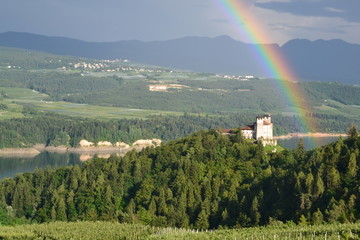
x,y
345,9
149,20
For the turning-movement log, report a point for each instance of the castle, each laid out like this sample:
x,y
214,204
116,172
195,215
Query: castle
x,y
261,130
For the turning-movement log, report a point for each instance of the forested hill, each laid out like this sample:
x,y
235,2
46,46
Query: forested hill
x,y
204,181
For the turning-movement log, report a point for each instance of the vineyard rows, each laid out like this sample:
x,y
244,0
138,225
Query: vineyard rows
x,y
113,230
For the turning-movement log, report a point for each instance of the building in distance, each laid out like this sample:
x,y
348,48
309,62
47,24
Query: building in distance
x,y
261,130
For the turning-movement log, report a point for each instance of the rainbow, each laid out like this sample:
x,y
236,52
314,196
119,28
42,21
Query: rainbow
x,y
271,58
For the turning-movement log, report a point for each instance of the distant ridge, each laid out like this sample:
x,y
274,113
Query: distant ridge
x,y
321,60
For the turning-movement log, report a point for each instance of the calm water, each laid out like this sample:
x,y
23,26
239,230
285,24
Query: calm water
x,y
309,142
9,167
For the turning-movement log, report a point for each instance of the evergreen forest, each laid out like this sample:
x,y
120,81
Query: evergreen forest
x,y
203,181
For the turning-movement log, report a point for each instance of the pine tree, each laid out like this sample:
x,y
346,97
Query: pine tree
x,y
318,186
61,210
225,217
317,217
202,221
254,212
303,221
333,178
353,134
300,151
162,206
152,206
352,167
71,209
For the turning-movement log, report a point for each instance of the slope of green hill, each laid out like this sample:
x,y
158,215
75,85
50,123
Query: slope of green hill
x,y
122,89
125,84
204,181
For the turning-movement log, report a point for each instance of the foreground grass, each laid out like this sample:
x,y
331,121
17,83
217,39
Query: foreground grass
x,y
110,230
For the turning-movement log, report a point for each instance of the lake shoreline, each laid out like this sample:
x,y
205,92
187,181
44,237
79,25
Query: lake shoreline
x,y
39,148
317,134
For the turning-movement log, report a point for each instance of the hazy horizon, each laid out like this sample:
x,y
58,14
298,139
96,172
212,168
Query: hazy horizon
x,y
159,20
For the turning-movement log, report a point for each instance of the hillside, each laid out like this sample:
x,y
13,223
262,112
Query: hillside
x,y
321,60
34,83
331,61
204,181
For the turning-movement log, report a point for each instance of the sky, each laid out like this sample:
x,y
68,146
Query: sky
x,y
153,20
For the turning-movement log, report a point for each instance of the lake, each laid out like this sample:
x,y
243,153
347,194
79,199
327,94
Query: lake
x,y
309,142
9,167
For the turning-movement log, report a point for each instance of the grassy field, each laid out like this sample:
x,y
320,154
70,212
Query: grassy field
x,y
129,93
337,108
16,98
111,230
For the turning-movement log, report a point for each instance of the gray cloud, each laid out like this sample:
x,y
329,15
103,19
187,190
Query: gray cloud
x,y
331,29
347,10
223,20
330,9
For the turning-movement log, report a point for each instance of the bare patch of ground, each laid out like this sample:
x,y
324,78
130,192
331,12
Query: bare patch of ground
x,y
165,87
19,152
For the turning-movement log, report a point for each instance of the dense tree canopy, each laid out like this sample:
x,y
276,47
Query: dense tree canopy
x,y
206,180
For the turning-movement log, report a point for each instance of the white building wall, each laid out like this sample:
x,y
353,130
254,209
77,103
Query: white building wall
x,y
248,134
259,127
262,130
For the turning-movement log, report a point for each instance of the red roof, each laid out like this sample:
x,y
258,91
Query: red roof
x,y
247,128
227,130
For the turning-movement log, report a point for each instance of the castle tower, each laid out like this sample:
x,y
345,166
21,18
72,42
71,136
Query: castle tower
x,y
263,127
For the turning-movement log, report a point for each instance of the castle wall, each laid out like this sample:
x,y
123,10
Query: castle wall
x,y
248,134
268,131
259,129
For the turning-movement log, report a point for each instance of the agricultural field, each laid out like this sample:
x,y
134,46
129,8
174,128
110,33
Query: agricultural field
x,y
119,89
112,230
17,98
337,108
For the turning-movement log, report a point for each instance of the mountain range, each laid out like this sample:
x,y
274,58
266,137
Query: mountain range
x,y
320,60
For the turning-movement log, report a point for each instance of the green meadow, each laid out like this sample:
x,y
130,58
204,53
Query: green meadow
x,y
122,89
337,108
17,98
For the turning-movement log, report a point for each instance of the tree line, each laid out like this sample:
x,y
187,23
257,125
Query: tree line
x,y
54,129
